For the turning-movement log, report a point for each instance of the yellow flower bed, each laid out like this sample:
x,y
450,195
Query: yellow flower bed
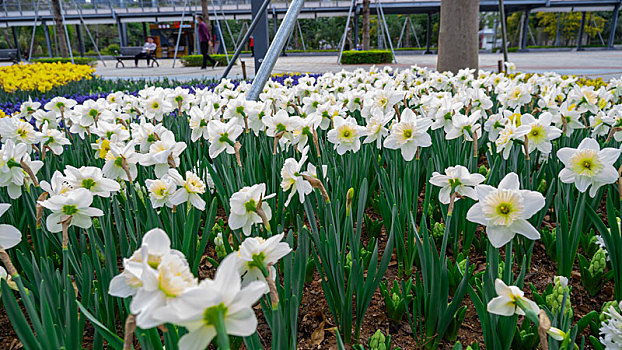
x,y
42,76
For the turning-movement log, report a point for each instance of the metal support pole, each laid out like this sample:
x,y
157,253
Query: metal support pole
x,y
399,41
80,40
581,28
62,13
342,42
599,35
34,29
412,27
126,37
302,39
614,25
224,19
504,37
48,41
222,37
250,30
356,30
558,30
88,32
197,44
145,31
121,42
386,28
181,25
523,40
260,33
285,30
242,32
428,35
16,42
274,19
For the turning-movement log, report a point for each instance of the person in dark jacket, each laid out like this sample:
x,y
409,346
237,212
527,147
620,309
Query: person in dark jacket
x,y
206,41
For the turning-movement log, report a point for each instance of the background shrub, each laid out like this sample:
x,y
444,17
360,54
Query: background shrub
x,y
112,49
366,57
197,60
91,61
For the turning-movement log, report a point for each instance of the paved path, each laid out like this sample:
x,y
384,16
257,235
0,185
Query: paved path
x,y
606,64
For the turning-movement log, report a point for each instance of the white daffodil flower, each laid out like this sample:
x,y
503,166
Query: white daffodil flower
x,y
19,131
59,105
465,126
58,184
14,163
121,162
244,207
611,329
510,300
375,129
190,189
457,179
53,139
9,235
76,203
541,133
215,304
164,153
49,118
156,106
145,134
257,256
91,178
222,137
408,134
507,135
161,285
303,130
292,178
199,119
588,165
160,191
154,247
345,135
505,210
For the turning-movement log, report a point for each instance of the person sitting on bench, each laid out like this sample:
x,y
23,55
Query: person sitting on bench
x,y
148,50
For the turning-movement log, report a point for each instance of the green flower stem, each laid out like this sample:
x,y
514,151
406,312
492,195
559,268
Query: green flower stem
x,y
258,263
221,330
528,312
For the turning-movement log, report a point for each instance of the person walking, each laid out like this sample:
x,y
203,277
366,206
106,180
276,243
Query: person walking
x,y
206,41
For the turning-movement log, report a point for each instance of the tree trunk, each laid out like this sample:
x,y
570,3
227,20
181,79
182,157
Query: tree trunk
x,y
458,42
60,29
366,24
205,10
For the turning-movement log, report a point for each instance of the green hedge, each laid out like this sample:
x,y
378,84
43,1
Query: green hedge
x,y
366,57
77,60
197,60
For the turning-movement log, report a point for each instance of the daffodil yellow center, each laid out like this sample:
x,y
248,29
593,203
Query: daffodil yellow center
x,y
88,183
69,209
212,314
250,206
586,163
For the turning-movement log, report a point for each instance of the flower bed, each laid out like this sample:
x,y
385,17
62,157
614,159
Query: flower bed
x,y
42,76
399,208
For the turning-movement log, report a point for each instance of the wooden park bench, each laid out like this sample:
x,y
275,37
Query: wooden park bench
x,y
129,53
9,55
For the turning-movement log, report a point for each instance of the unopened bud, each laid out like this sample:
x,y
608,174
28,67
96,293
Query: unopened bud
x,y
349,198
